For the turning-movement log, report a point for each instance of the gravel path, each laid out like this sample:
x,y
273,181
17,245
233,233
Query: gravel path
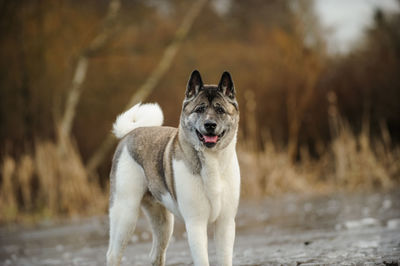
x,y
340,229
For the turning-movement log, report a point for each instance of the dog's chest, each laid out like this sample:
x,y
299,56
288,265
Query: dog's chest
x,y
205,193
217,182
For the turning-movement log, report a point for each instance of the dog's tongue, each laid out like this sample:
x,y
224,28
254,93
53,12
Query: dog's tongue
x,y
210,139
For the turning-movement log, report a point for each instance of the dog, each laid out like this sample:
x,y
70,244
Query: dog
x,y
190,172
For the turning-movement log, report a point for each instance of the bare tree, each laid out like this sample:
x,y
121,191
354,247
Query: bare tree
x,y
303,56
75,90
151,82
299,98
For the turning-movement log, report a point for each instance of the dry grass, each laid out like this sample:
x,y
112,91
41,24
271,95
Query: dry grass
x,y
53,182
48,183
271,172
8,203
350,162
358,165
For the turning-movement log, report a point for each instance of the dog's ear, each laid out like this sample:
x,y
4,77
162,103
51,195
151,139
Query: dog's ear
x,y
226,85
194,85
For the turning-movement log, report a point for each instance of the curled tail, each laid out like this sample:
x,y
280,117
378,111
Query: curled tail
x,y
140,115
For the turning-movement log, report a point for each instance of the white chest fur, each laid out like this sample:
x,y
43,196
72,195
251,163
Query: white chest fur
x,y
214,192
212,177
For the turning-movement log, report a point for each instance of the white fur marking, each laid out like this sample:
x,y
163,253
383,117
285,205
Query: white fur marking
x,y
129,176
140,115
129,189
192,200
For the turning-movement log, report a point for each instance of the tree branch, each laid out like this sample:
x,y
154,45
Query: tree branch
x,y
148,86
79,77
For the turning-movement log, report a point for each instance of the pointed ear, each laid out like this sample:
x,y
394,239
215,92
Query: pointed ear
x,y
226,85
194,85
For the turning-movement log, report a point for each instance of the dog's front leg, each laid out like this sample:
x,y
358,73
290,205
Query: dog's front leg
x,y
197,237
224,240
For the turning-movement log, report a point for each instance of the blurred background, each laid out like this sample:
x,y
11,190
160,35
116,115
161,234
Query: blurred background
x,y
318,85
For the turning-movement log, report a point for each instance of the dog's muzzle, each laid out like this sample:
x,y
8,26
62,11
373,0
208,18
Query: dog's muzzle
x,y
209,138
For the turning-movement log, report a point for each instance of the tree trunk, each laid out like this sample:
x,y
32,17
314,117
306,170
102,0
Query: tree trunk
x,y
148,86
104,36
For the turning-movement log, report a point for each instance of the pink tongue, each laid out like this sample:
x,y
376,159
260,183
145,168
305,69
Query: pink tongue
x,y
210,139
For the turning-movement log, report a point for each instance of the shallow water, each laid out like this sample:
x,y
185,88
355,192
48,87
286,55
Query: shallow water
x,y
341,229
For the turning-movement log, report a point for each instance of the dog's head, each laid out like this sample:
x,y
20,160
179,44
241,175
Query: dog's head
x,y
210,113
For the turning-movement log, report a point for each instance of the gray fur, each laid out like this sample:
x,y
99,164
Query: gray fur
x,y
147,145
155,148
211,98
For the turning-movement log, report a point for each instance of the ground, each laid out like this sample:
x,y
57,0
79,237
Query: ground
x,y
340,229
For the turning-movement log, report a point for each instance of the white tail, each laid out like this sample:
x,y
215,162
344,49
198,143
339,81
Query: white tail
x,y
140,115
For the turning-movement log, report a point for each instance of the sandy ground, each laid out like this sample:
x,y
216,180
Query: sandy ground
x,y
340,229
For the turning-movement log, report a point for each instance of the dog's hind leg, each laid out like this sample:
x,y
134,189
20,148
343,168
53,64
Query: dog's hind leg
x,y
162,225
130,186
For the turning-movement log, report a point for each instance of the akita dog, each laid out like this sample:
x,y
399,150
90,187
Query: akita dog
x,y
191,171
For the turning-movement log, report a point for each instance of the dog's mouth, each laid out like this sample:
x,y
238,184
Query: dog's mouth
x,y
209,140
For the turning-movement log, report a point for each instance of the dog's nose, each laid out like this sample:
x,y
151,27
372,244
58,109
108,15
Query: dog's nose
x,y
210,126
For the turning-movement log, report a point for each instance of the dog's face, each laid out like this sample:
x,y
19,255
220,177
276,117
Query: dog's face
x,y
210,113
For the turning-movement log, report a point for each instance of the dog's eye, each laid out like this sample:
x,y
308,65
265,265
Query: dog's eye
x,y
220,110
200,109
